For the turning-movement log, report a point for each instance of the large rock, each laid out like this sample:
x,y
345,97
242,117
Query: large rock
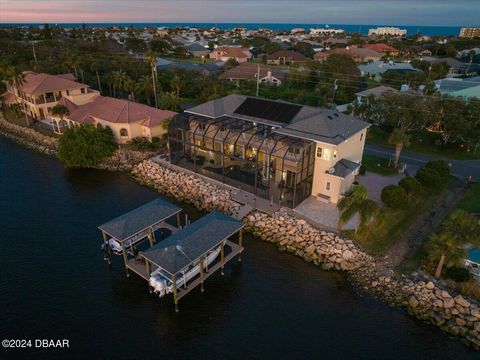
x,y
448,303
347,255
413,302
461,301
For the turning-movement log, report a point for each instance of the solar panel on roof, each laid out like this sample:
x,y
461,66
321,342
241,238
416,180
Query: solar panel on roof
x,y
268,110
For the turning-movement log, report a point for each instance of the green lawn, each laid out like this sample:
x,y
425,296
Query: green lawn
x,y
378,165
471,200
390,224
424,143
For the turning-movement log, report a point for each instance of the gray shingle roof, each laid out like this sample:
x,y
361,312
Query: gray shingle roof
x,y
187,245
139,219
377,91
344,168
310,123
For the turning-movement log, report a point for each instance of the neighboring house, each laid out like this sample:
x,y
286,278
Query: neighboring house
x,y
382,48
283,57
39,92
375,92
225,53
466,88
249,71
280,151
125,118
456,67
357,54
198,50
379,67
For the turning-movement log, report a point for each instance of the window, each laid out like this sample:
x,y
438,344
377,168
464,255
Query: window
x,y
295,151
223,128
319,152
326,154
327,187
82,90
123,132
68,92
361,136
201,126
99,126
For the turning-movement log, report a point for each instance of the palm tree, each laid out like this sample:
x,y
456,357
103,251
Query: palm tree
x,y
12,75
60,111
73,63
94,66
145,87
400,138
171,100
130,86
447,246
118,79
357,202
151,61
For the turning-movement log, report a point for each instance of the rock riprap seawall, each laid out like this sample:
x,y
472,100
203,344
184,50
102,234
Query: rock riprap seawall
x,y
425,300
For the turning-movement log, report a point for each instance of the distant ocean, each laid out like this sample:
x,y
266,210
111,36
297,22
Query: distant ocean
x,y
362,29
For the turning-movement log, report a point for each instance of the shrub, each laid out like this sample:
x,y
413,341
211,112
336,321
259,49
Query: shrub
x,y
394,196
429,178
410,185
440,166
141,144
85,145
362,170
458,274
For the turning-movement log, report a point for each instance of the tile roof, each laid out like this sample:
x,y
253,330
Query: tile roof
x,y
119,111
35,84
381,47
233,51
351,50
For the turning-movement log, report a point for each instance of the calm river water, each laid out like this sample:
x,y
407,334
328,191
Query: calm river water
x,y
54,284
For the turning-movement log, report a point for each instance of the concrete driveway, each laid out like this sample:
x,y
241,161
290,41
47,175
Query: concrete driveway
x,y
375,183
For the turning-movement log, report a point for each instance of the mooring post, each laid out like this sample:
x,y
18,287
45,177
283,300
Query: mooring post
x,y
201,275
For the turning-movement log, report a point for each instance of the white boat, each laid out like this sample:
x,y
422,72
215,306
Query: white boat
x,y
162,284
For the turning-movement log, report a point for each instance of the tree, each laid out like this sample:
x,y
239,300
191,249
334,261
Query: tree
x,y
171,100
394,196
160,46
357,202
340,77
429,178
440,166
85,146
118,79
399,138
230,63
60,111
447,246
151,61
144,87
411,185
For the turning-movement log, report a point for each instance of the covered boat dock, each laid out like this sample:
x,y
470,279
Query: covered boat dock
x,y
123,234
184,260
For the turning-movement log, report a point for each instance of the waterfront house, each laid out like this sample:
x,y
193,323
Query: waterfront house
x,y
284,57
249,72
277,150
40,92
356,53
126,119
225,53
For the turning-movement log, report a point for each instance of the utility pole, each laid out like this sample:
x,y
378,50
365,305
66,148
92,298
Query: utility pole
x,y
335,87
34,53
258,78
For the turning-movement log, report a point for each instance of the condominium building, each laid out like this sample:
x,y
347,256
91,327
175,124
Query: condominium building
x,y
472,32
277,150
387,31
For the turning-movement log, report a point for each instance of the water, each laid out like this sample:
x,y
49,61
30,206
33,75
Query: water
x,y
362,29
55,285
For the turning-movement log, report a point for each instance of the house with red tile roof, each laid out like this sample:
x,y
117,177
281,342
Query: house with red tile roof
x,y
40,92
382,48
126,119
357,54
250,71
224,53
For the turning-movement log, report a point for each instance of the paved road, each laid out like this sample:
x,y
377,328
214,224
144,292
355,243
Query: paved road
x,y
460,168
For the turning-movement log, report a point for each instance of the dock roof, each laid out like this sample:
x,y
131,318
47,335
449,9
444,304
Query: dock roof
x,y
140,219
189,244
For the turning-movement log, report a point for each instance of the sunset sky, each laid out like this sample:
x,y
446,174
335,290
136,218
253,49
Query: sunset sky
x,y
402,12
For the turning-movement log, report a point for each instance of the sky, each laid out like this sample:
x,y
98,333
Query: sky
x,y
395,12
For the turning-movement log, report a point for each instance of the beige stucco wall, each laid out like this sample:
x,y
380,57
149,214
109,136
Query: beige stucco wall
x,y
351,149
